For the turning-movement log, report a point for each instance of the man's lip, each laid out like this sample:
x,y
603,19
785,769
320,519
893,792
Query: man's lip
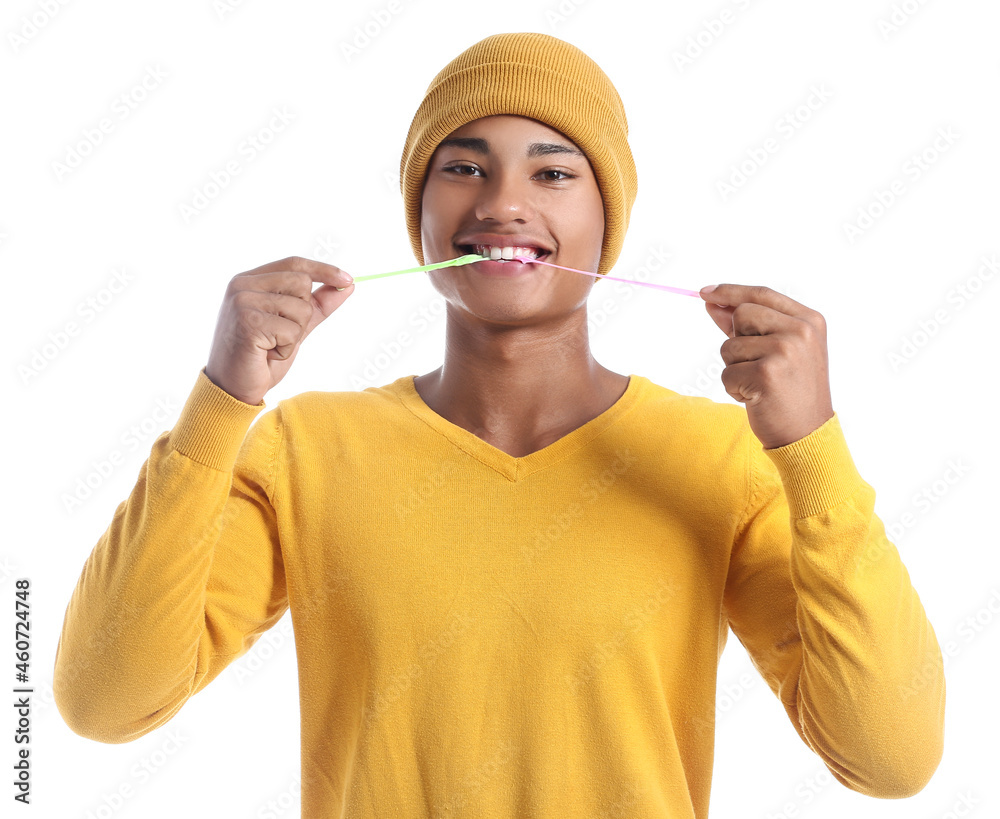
x,y
499,267
504,240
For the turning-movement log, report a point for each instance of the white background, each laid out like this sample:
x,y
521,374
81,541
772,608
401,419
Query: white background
x,y
326,187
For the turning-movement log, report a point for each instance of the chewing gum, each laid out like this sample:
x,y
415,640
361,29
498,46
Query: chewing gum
x,y
470,258
681,291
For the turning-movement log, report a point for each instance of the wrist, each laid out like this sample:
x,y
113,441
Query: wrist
x,y
252,400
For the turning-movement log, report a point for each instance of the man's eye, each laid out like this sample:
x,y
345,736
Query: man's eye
x,y
562,173
458,169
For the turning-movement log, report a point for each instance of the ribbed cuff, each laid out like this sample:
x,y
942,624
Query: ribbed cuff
x,y
212,425
817,471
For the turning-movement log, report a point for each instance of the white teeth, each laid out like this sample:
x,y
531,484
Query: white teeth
x,y
506,253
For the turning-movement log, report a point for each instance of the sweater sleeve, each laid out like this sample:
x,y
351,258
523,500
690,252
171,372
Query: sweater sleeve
x,y
186,578
824,606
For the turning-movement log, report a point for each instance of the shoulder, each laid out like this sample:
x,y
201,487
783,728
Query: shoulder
x,y
710,423
328,423
700,451
319,405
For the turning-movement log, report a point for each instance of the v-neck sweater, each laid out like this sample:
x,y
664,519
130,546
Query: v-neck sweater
x,y
479,634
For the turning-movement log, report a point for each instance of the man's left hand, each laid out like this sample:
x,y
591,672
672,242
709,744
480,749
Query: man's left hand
x,y
776,361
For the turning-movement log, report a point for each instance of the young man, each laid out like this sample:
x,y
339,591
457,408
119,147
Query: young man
x,y
511,578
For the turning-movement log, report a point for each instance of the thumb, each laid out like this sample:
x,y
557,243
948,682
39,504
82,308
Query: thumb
x,y
325,300
722,316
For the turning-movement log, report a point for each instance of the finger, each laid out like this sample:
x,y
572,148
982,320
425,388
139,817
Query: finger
x,y
743,382
732,295
750,319
276,334
325,300
289,307
316,271
722,316
278,304
286,282
748,348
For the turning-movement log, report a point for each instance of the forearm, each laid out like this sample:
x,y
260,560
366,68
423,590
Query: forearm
x,y
134,643
864,633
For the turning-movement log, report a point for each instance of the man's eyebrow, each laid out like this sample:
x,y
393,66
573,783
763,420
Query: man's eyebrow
x,y
481,146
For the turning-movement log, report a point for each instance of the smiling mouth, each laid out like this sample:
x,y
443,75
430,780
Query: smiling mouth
x,y
507,254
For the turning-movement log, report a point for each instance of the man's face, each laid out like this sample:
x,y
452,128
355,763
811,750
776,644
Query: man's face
x,y
503,186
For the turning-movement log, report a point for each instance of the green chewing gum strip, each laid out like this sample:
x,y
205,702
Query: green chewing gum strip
x,y
467,259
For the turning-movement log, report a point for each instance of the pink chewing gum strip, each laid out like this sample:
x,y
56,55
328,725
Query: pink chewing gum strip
x,y
681,291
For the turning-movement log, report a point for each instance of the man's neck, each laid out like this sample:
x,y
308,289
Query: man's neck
x,y
519,389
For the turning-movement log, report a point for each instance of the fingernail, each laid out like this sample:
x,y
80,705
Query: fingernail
x,y
341,288
708,289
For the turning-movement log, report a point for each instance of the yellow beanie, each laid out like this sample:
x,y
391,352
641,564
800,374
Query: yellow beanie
x,y
537,76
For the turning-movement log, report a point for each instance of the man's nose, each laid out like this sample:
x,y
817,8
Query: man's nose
x,y
506,197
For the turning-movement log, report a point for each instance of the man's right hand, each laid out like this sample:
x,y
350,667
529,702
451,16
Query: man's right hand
x,y
265,315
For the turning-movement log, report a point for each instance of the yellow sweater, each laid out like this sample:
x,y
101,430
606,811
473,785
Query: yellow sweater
x,y
485,635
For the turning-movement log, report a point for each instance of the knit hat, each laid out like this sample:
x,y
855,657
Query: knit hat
x,y
544,78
